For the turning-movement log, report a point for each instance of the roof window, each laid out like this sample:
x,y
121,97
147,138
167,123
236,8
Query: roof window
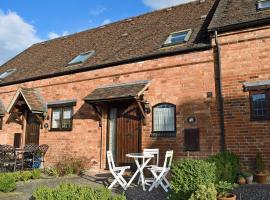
x,y
263,5
81,58
178,37
7,73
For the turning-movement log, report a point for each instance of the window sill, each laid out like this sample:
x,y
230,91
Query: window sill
x,y
60,130
163,134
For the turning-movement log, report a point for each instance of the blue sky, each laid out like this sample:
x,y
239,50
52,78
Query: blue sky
x,y
25,22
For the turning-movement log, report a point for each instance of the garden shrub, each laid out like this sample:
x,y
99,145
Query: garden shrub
x,y
205,192
66,167
26,175
227,165
36,173
188,175
7,182
74,192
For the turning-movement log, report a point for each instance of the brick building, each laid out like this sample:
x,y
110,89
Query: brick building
x,y
160,80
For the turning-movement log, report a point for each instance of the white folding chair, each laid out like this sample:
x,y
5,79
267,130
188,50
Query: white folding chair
x,y
154,152
117,172
160,173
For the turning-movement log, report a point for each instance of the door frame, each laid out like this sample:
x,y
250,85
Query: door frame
x,y
117,105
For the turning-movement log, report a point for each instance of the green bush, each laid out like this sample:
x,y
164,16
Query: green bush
x,y
66,167
7,182
205,192
26,175
188,175
227,165
224,188
36,173
75,192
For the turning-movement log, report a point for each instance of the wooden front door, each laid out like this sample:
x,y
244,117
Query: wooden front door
x,y
127,132
32,129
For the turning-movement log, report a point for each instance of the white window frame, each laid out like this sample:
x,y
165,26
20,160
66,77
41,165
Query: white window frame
x,y
169,42
7,73
163,133
259,5
88,53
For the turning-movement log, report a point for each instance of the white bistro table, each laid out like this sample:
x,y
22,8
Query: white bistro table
x,y
144,156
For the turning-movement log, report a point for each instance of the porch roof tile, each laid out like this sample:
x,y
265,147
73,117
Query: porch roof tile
x,y
32,97
117,91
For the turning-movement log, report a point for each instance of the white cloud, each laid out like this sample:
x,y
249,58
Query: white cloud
x,y
15,35
98,10
53,35
159,4
106,21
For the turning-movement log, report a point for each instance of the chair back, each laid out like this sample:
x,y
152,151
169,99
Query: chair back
x,y
43,148
110,160
168,159
31,147
7,152
154,152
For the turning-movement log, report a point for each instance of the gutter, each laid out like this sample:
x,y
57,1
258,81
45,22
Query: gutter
x,y
220,95
111,64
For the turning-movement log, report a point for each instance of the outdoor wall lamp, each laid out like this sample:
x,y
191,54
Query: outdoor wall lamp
x,y
147,108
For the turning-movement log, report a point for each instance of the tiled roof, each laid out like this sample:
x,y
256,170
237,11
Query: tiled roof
x,y
33,99
117,91
236,12
124,40
2,109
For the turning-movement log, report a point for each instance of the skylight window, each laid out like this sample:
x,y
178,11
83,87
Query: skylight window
x,y
263,5
81,58
178,37
7,73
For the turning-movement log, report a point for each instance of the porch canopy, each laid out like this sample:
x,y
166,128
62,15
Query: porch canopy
x,y
26,99
118,92
122,91
260,85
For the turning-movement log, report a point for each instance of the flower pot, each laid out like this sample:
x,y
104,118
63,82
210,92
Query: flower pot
x,y
241,181
261,178
249,179
230,197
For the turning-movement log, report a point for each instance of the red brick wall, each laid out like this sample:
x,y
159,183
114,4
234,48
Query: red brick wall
x,y
245,58
183,80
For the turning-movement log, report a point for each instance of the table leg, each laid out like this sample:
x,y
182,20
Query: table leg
x,y
141,171
134,175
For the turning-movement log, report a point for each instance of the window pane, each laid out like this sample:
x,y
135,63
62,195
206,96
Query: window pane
x,y
56,118
264,5
66,121
178,37
164,118
259,105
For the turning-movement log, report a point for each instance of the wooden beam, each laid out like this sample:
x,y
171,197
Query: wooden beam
x,y
40,119
99,113
141,108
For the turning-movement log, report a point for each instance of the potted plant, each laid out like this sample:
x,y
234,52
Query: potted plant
x,y
261,175
224,191
249,177
241,179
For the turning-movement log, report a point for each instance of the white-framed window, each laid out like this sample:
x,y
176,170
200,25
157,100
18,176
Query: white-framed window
x,y
164,120
178,37
263,5
7,73
61,119
81,58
